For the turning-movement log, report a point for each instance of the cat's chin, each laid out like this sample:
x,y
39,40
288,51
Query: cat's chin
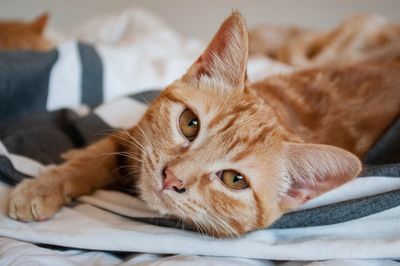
x,y
154,202
157,200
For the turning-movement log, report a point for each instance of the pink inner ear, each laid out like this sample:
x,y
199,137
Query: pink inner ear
x,y
300,193
219,45
315,169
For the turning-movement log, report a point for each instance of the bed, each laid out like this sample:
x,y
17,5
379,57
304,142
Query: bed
x,y
75,94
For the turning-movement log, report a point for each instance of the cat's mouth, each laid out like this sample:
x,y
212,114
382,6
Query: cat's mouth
x,y
156,195
165,203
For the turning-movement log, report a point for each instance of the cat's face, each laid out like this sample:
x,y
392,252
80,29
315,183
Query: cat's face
x,y
226,161
18,35
213,153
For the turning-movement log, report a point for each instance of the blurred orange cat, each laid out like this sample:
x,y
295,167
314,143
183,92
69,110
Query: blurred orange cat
x,y
19,35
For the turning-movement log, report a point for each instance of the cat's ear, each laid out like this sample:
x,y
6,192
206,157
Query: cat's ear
x,y
314,169
225,58
39,24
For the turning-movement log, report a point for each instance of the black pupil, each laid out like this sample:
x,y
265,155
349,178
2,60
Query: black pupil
x,y
237,178
193,122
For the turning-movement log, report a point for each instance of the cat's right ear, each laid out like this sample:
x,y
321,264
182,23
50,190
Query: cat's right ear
x,y
40,23
225,58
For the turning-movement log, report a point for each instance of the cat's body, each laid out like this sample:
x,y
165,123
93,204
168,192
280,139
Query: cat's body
x,y
19,35
348,107
226,155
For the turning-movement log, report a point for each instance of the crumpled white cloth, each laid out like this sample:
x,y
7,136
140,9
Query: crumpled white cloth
x,y
13,252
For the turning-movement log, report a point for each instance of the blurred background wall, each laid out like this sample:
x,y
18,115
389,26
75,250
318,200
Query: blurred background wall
x,y
201,17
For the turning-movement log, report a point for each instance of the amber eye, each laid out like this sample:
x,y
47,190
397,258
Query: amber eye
x,y
233,179
189,124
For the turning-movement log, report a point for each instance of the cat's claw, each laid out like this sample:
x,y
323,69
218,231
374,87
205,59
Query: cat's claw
x,y
33,201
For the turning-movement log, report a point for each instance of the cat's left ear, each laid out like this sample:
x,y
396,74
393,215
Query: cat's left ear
x,y
40,23
226,56
314,169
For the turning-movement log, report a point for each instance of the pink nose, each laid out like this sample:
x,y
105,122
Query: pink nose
x,y
172,182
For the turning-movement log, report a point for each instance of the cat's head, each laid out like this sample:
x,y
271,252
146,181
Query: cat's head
x,y
216,155
19,35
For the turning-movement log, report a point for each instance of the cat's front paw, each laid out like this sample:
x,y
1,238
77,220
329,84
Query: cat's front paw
x,y
32,200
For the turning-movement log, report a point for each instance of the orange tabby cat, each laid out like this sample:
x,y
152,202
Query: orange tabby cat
x,y
17,35
228,155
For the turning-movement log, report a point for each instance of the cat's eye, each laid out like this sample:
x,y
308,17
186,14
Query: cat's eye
x,y
189,124
233,179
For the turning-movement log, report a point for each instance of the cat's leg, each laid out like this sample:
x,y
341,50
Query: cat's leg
x,y
86,170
